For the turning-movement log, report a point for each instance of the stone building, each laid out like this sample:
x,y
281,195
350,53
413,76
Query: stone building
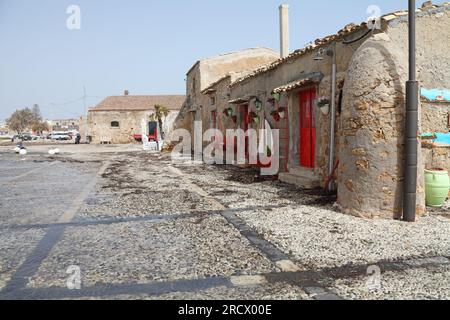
x,y
201,106
64,125
118,119
294,93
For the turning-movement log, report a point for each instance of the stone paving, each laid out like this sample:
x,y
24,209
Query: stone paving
x,y
138,226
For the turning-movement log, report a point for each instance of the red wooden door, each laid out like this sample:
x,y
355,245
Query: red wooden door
x,y
307,128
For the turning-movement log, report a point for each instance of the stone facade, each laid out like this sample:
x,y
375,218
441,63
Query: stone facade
x,y
64,125
372,140
117,119
435,117
371,76
208,71
296,67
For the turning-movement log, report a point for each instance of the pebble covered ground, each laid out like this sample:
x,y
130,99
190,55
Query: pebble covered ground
x,y
15,246
147,252
306,225
259,292
430,283
141,223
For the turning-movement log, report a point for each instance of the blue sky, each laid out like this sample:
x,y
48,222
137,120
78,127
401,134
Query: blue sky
x,y
145,46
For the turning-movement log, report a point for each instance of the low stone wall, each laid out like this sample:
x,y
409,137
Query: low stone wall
x,y
436,156
435,117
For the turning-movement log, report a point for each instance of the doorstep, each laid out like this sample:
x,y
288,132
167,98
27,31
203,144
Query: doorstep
x,y
301,177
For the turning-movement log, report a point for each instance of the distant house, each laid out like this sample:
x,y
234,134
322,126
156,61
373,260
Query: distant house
x,y
118,119
4,130
64,125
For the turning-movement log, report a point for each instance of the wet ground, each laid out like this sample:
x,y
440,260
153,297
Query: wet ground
x,y
117,223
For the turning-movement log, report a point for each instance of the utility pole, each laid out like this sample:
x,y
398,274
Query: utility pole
x,y
411,125
84,100
85,116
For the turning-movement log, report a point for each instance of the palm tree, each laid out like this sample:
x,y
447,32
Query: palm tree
x,y
160,113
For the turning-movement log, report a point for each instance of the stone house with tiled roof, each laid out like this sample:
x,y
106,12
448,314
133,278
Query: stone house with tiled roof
x,y
117,119
371,72
205,72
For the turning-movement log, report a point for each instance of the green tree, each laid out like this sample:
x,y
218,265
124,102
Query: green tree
x,y
40,127
160,113
36,113
21,120
24,119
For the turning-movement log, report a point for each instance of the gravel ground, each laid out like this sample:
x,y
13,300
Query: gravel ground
x,y
277,291
319,238
45,190
305,224
199,243
432,283
141,252
15,246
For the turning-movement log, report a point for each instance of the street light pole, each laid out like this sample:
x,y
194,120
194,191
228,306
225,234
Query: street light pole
x,y
411,125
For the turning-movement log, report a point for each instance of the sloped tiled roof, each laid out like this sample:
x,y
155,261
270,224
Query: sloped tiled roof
x,y
347,30
139,103
231,75
293,85
210,89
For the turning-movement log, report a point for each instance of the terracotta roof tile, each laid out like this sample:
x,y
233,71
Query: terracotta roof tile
x,y
139,103
294,85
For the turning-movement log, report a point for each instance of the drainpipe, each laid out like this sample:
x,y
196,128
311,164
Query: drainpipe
x,y
332,117
411,125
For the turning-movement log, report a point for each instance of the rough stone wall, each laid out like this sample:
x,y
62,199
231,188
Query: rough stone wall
x,y
207,71
437,157
263,84
372,141
221,96
215,68
130,124
435,117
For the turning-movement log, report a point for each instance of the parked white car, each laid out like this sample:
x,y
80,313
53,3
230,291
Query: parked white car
x,y
60,136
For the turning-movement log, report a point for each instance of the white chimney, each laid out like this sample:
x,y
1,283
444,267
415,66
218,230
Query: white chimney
x,y
284,30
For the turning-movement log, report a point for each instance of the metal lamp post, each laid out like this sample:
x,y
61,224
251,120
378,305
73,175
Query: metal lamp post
x,y
411,125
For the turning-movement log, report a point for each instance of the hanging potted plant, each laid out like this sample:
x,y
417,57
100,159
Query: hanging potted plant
x,y
323,103
282,112
252,115
234,119
275,115
268,152
258,105
257,120
276,96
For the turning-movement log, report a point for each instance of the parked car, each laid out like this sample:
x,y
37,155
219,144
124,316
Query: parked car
x,y
60,136
6,137
22,137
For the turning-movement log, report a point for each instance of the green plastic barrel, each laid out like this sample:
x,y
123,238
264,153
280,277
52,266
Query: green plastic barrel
x,y
437,184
